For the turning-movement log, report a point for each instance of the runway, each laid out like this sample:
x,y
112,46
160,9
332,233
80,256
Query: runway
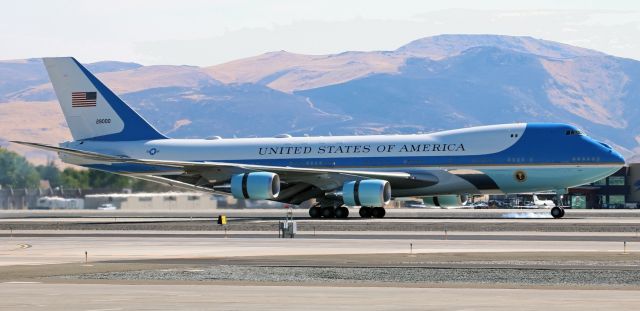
x,y
405,220
54,250
584,262
56,297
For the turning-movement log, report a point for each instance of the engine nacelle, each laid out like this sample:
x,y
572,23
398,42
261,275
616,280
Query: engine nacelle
x,y
368,192
256,185
445,201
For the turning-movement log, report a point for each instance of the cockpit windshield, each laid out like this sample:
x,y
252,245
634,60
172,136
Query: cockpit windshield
x,y
573,132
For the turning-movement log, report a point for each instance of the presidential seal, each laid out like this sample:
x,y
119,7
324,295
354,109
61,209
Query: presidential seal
x,y
520,176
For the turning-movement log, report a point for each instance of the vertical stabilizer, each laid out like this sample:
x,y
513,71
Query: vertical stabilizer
x,y
94,112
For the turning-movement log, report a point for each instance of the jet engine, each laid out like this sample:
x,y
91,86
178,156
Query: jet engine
x,y
368,192
256,185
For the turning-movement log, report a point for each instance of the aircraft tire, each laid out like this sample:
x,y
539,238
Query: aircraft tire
x,y
328,212
378,212
342,212
557,212
315,212
365,212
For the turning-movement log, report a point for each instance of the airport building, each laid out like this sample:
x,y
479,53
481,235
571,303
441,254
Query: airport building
x,y
150,201
620,190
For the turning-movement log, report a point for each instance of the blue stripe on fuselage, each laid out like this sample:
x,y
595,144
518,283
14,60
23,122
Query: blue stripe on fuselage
x,y
541,143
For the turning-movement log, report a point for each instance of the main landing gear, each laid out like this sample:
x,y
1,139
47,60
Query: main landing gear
x,y
318,211
375,212
342,212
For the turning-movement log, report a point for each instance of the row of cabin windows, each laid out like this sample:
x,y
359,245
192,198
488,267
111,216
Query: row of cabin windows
x,y
519,160
585,159
314,163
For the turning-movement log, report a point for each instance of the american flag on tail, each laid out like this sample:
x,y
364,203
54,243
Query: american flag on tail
x,y
83,99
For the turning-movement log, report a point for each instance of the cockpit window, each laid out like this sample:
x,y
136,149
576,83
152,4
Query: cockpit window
x,y
573,132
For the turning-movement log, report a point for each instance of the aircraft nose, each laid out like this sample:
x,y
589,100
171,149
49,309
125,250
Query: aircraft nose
x,y
611,154
618,158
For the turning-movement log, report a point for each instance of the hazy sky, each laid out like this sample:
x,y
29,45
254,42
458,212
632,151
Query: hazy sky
x,y
212,32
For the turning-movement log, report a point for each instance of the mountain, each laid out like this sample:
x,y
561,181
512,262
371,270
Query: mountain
x,y
429,84
289,72
17,75
443,46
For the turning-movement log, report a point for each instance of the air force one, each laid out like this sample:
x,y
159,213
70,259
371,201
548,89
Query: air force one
x,y
337,171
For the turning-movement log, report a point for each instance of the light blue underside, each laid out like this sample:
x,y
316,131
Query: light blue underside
x,y
547,178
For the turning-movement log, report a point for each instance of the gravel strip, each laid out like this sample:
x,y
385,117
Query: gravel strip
x,y
514,276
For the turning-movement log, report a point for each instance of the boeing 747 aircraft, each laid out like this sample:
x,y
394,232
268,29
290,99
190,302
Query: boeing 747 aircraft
x,y
337,171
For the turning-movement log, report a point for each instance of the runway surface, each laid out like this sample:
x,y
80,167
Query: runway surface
x,y
232,297
406,220
48,250
589,261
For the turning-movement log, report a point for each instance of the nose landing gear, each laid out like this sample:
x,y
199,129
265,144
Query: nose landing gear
x,y
557,212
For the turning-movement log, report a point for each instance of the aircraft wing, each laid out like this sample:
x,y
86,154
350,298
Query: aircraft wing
x,y
197,175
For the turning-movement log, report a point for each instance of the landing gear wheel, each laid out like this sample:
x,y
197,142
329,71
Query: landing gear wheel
x,y
557,212
342,212
378,212
328,212
365,212
315,212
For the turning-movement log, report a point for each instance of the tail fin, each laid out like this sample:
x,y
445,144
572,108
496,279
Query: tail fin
x,y
94,112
